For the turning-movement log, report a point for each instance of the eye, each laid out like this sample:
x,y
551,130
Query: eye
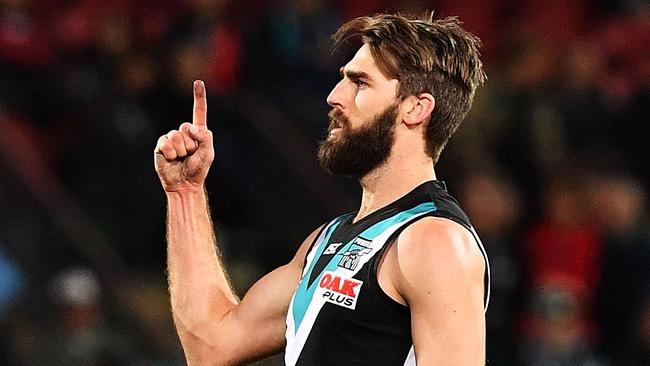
x,y
359,83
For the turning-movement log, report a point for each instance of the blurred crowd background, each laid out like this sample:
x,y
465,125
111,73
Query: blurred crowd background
x,y
552,166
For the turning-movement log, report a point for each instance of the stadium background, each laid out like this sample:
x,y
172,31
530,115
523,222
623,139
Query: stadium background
x,y
552,165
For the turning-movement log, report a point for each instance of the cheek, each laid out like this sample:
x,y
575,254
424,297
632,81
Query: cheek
x,y
369,102
366,106
362,99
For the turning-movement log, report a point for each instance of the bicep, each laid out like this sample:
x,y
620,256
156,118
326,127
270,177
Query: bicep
x,y
441,278
255,327
257,324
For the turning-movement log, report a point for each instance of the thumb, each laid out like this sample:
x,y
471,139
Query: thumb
x,y
200,135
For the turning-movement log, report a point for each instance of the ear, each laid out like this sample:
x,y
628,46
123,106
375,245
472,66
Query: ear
x,y
418,108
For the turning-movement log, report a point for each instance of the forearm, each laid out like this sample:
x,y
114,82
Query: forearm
x,y
199,288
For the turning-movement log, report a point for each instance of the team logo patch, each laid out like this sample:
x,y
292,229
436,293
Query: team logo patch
x,y
351,257
339,290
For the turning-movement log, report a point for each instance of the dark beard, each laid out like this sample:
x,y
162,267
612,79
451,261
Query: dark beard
x,y
357,153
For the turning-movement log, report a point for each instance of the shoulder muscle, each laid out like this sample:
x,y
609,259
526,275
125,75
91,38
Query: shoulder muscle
x,y
436,252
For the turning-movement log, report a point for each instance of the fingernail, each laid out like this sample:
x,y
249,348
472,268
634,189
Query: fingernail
x,y
197,85
194,129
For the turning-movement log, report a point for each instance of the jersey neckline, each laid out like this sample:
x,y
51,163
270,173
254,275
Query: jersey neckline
x,y
405,201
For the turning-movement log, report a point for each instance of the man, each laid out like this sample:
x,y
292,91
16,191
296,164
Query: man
x,y
403,279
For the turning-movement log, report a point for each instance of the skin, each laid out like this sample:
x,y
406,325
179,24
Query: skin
x,y
434,268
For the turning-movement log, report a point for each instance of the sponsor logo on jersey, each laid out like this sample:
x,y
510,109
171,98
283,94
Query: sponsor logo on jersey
x,y
332,248
339,290
351,257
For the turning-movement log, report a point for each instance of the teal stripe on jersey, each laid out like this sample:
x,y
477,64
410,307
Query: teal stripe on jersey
x,y
304,293
303,296
372,232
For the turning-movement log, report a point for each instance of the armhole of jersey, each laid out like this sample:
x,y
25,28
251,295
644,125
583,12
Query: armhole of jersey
x,y
374,265
373,278
313,242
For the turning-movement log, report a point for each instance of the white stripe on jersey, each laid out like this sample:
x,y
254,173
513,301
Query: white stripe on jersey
x,y
410,358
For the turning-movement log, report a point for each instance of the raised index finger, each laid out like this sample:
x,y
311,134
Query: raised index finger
x,y
199,117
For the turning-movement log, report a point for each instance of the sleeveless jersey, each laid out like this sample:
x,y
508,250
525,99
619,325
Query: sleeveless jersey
x,y
339,315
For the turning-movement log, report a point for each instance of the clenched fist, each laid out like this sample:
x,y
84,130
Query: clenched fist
x,y
183,157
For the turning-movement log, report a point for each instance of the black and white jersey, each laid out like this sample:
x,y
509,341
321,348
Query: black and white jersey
x,y
339,315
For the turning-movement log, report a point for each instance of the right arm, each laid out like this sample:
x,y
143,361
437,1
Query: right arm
x,y
214,327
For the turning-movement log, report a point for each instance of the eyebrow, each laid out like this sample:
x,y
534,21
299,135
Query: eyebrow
x,y
353,74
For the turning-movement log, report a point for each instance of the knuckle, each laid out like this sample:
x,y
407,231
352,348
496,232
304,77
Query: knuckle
x,y
173,135
180,148
166,149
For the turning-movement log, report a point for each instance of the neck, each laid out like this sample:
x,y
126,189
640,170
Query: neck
x,y
392,180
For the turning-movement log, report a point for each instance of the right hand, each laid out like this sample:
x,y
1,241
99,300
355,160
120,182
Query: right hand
x,y
183,157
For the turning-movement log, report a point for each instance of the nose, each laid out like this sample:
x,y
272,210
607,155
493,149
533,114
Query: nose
x,y
335,98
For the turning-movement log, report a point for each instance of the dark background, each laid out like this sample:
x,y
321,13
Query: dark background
x,y
552,166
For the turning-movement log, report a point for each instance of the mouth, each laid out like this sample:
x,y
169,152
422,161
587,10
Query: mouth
x,y
336,124
335,129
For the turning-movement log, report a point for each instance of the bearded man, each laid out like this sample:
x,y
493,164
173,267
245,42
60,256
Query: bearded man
x,y
402,281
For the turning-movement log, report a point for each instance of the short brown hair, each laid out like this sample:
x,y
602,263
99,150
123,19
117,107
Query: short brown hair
x,y
425,55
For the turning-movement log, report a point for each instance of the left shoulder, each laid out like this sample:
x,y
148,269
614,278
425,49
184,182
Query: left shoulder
x,y
439,274
434,238
437,252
